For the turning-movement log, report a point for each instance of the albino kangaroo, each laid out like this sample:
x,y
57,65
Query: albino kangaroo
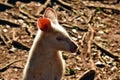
x,y
44,60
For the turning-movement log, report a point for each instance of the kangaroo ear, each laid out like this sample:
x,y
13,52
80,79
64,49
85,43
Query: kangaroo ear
x,y
44,24
51,14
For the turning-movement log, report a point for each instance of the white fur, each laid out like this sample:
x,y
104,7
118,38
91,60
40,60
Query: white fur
x,y
44,60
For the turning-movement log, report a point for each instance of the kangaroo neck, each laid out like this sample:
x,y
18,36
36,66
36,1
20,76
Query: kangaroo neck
x,y
40,47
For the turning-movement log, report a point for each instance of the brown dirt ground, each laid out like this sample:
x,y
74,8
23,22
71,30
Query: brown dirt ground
x,y
94,25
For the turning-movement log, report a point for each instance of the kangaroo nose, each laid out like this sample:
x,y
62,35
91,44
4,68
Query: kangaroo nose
x,y
73,47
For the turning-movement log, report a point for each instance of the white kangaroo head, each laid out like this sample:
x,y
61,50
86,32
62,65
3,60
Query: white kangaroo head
x,y
54,34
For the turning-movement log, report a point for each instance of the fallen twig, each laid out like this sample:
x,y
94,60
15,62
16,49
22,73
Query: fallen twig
x,y
102,61
92,14
4,41
4,38
111,17
71,26
110,54
5,21
41,8
20,45
4,68
90,39
18,16
89,47
7,5
83,39
27,14
67,5
100,5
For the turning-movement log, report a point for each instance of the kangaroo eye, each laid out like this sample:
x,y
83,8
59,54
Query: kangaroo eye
x,y
59,38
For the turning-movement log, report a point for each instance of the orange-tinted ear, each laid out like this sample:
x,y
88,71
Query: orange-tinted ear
x,y
44,24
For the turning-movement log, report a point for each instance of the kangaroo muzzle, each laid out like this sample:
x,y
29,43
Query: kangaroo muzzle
x,y
73,47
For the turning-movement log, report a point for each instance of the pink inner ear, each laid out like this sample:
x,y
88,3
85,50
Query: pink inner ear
x,y
51,14
48,12
44,24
